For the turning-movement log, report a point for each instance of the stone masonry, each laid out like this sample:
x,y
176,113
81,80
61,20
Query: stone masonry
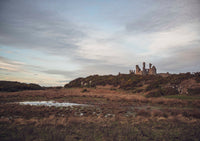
x,y
144,71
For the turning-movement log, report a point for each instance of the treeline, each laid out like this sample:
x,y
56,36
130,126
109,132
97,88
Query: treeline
x,y
11,86
163,85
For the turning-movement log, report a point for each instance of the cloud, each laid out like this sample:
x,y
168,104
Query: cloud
x,y
174,38
63,40
67,74
183,59
19,71
105,69
26,25
165,16
17,66
9,65
175,50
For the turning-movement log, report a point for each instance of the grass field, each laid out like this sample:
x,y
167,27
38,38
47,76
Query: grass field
x,y
111,115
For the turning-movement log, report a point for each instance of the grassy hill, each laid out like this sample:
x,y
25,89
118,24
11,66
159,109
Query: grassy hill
x,y
11,86
151,85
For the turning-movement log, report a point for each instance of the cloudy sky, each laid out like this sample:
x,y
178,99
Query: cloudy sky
x,y
52,42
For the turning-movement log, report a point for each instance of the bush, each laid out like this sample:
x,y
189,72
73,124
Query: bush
x,y
155,94
84,90
152,86
163,92
194,91
144,113
169,91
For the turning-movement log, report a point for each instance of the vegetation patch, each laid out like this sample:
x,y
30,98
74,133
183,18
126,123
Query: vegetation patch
x,y
84,91
170,85
183,97
194,91
10,86
113,115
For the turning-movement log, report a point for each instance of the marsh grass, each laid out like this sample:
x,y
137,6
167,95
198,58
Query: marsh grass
x,y
131,116
90,131
184,97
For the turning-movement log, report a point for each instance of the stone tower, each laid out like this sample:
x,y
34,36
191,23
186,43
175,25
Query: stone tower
x,y
150,65
144,71
152,71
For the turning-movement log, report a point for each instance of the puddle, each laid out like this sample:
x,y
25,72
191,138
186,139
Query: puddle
x,y
50,103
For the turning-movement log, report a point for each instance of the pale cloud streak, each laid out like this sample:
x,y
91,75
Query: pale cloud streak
x,y
9,65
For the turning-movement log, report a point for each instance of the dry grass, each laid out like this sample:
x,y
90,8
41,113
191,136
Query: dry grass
x,y
114,115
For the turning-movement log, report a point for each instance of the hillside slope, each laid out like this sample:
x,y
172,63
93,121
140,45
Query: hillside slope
x,y
12,86
151,85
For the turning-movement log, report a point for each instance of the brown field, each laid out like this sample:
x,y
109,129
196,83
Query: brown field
x,y
113,114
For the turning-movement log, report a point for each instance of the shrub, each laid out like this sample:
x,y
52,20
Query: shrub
x,y
169,91
152,86
197,77
114,89
144,113
84,90
194,91
163,92
155,94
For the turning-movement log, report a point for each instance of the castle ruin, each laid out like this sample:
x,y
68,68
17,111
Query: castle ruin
x,y
144,71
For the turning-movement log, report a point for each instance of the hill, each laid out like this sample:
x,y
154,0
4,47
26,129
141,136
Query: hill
x,y
150,85
12,86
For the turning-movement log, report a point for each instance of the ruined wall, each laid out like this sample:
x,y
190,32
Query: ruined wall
x,y
144,71
138,70
152,71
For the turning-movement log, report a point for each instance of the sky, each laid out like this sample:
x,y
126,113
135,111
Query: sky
x,y
52,42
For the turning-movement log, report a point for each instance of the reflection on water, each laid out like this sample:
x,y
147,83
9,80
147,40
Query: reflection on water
x,y
50,103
